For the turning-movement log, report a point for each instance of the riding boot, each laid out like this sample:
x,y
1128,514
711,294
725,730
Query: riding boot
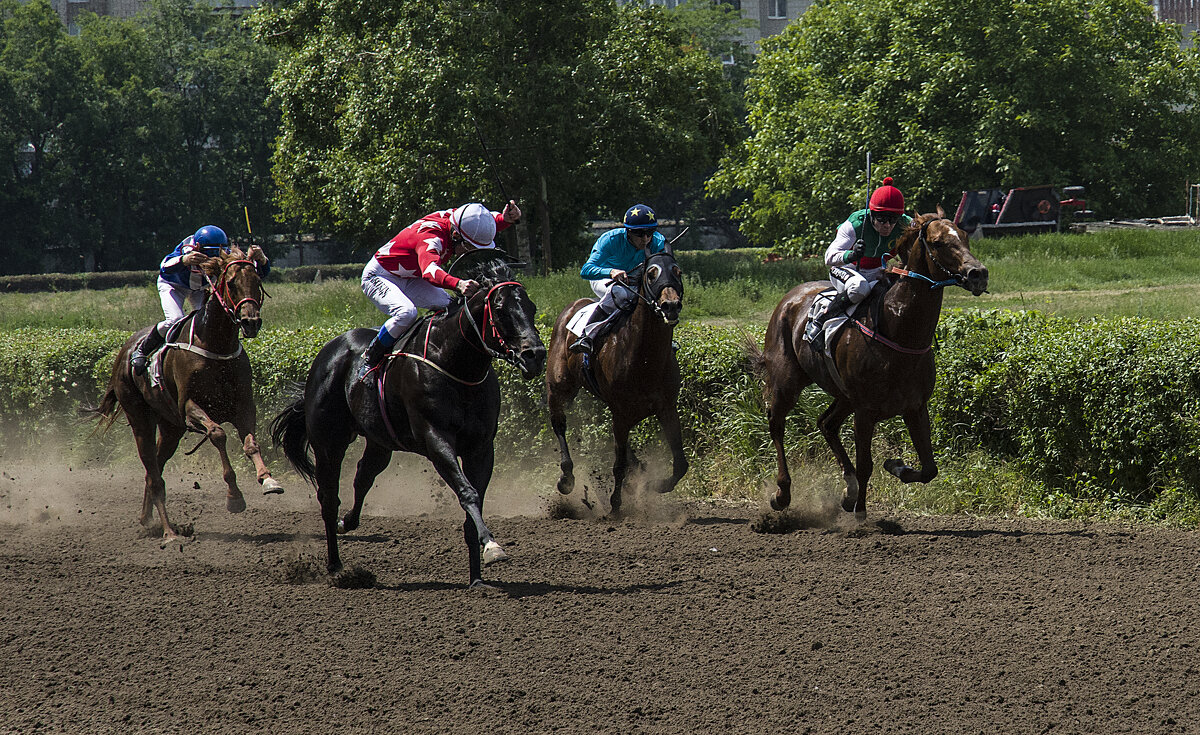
x,y
379,348
838,305
620,298
145,347
589,331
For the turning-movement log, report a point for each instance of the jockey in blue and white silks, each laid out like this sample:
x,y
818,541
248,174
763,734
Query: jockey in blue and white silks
x,y
181,284
616,253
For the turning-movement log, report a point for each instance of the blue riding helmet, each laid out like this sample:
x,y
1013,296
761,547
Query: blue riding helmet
x,y
640,217
210,236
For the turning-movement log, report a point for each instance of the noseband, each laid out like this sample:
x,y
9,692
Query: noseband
x,y
489,325
955,279
220,291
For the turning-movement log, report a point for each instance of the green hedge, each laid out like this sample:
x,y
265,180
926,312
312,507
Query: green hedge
x,y
1097,408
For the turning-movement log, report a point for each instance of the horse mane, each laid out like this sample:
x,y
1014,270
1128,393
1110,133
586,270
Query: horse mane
x,y
905,242
214,265
488,272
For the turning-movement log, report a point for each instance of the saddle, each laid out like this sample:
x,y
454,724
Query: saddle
x,y
837,322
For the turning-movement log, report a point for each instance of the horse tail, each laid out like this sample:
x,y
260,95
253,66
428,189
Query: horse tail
x,y
108,410
756,360
289,430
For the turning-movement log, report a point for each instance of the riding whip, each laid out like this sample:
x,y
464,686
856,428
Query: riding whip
x,y
487,157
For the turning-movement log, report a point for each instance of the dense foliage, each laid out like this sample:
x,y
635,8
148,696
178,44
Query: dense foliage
x,y
583,106
117,143
959,95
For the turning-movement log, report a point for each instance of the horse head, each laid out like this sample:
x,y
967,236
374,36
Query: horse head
x,y
662,285
237,288
936,247
508,328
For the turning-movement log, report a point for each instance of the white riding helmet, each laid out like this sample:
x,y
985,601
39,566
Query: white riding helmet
x,y
476,224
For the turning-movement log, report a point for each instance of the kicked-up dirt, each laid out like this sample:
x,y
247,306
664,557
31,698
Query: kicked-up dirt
x,y
684,618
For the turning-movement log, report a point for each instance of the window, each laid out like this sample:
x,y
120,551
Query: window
x,y
728,60
778,9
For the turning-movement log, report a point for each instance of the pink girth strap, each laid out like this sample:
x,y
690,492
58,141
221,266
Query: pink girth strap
x,y
885,341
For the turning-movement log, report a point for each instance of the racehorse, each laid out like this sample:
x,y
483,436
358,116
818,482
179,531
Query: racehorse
x,y
436,395
882,364
634,372
202,380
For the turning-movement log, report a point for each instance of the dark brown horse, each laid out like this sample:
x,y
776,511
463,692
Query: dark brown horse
x,y
882,362
205,382
636,373
437,395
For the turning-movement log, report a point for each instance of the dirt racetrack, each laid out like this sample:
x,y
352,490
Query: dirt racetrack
x,y
685,620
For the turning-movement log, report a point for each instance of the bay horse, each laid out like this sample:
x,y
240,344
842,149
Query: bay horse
x,y
635,371
882,364
436,395
205,380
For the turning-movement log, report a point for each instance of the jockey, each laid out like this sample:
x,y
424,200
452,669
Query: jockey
x,y
856,255
181,282
616,253
407,272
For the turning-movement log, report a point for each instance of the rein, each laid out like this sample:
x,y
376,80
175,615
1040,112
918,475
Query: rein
x,y
643,290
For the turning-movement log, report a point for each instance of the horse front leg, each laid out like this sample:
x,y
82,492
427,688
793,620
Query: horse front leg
x,y
830,425
864,433
917,422
375,460
199,420
247,420
558,422
327,466
669,419
442,454
621,429
477,465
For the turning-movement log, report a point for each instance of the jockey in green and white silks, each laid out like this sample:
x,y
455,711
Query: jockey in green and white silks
x,y
857,254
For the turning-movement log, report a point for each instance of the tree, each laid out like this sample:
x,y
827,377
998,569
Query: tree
x,y
583,108
962,94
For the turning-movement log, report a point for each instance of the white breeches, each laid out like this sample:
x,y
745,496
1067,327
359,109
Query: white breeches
x,y
400,298
177,301
854,283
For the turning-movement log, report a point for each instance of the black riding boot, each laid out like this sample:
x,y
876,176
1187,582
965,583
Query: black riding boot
x,y
374,355
146,347
838,305
584,343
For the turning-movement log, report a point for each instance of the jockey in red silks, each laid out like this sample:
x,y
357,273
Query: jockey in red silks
x,y
407,273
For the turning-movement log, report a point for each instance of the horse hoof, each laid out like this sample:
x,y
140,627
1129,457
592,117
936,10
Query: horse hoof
x,y
894,466
478,585
566,485
179,541
848,504
860,516
235,503
492,553
777,504
271,486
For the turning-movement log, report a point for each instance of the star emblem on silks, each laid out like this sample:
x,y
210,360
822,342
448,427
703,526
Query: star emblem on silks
x,y
635,212
651,216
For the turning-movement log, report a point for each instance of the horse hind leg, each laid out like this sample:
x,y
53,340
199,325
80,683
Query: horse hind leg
x,y
917,423
155,494
375,460
781,393
864,433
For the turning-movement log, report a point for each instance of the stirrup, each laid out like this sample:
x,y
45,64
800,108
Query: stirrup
x,y
581,345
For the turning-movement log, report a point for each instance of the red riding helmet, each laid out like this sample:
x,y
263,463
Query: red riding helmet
x,y
887,198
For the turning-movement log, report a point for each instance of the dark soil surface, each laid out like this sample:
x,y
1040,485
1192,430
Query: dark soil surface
x,y
685,618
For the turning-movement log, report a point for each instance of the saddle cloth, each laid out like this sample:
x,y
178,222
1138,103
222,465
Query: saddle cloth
x,y
580,319
819,306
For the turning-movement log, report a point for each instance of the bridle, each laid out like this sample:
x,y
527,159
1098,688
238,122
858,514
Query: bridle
x,y
220,291
955,279
643,290
508,354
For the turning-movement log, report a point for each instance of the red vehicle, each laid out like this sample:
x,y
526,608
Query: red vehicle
x,y
1023,210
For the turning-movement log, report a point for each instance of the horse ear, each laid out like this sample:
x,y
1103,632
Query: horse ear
x,y
941,212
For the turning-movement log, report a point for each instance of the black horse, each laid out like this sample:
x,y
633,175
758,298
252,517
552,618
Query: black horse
x,y
436,396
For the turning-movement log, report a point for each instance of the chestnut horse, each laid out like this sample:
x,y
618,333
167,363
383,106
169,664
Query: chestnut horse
x,y
635,370
882,365
205,381
436,395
